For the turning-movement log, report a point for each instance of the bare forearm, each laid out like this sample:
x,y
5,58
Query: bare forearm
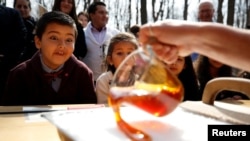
x,y
226,44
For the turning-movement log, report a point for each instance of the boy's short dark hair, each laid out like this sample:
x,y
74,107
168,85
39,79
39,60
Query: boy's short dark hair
x,y
92,7
53,17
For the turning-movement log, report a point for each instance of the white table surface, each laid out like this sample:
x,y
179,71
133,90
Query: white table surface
x,y
99,124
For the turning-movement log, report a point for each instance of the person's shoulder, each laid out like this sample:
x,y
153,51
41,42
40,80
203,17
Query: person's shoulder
x,y
79,26
7,11
30,22
104,78
88,27
105,75
21,67
113,30
12,11
32,19
78,64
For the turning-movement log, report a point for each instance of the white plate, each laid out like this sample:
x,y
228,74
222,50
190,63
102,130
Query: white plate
x,y
99,124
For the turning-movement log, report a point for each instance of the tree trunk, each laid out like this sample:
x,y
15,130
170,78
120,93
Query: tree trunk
x,y
185,11
137,12
230,12
157,14
248,15
129,16
219,10
86,5
144,18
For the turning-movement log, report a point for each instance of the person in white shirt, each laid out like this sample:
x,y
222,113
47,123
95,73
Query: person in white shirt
x,y
97,37
120,46
205,14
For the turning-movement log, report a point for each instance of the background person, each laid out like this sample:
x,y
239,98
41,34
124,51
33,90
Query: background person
x,y
119,47
208,69
98,35
24,7
205,14
12,42
184,70
69,7
206,11
83,18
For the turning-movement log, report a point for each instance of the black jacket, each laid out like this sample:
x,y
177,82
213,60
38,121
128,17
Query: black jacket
x,y
80,45
12,41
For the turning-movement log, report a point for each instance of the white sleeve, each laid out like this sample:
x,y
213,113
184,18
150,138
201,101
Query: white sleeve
x,y
102,89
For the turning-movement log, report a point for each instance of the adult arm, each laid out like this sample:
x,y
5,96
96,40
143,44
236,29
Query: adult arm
x,y
171,38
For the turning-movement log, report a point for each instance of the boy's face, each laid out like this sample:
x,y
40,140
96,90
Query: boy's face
x,y
56,44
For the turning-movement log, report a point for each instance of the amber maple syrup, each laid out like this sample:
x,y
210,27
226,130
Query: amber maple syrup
x,y
162,101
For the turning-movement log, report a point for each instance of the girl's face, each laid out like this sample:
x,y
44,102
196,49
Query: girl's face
x,y
23,7
66,6
83,20
56,45
120,52
178,66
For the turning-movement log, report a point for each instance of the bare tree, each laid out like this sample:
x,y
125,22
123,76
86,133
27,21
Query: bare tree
x,y
137,12
155,13
230,12
240,14
144,18
248,15
173,9
165,5
129,15
185,11
122,14
3,2
117,11
77,3
220,17
168,10
86,4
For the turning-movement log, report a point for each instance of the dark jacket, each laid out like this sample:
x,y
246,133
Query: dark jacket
x,y
27,84
12,41
30,47
80,45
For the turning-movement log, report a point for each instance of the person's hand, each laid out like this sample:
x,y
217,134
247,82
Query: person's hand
x,y
169,39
